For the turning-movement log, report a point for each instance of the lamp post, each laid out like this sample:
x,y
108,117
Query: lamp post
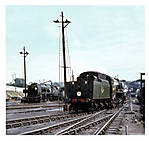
x,y
64,24
25,53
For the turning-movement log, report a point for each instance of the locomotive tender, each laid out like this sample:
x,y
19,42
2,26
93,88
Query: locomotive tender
x,y
92,90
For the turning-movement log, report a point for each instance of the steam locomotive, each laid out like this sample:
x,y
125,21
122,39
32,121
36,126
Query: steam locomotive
x,y
92,91
120,94
41,92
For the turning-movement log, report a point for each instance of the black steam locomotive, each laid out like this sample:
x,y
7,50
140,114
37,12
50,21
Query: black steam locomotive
x,y
91,91
120,94
41,92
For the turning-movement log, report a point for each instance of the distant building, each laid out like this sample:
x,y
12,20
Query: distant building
x,y
19,82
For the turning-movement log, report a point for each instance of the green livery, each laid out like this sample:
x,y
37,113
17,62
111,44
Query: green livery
x,y
101,90
92,90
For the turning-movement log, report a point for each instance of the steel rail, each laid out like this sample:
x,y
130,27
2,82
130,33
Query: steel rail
x,y
39,119
87,126
28,111
101,131
32,107
80,123
30,104
52,127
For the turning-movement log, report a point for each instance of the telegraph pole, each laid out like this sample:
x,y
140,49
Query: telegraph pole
x,y
25,53
64,57
64,24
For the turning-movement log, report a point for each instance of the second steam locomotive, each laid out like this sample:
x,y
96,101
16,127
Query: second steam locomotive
x,y
41,92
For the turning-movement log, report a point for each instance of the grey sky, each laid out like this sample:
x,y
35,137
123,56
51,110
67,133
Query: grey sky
x,y
109,39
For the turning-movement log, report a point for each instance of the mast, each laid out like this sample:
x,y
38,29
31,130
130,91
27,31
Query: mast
x,y
25,53
64,56
64,24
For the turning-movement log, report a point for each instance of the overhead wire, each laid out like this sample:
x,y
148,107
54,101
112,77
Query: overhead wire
x,y
68,63
68,57
60,71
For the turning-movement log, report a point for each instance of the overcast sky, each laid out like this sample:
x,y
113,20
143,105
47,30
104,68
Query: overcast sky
x,y
109,39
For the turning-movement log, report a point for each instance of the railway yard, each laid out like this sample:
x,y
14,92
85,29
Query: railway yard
x,y
50,119
93,103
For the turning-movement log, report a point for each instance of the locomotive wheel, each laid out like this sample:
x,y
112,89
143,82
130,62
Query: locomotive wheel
x,y
110,103
96,107
106,105
70,108
113,104
51,98
101,106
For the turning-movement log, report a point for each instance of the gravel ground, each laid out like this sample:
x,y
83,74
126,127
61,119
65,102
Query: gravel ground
x,y
132,123
18,113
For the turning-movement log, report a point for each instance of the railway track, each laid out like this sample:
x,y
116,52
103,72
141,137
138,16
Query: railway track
x,y
28,111
39,119
18,103
102,122
108,124
62,127
33,106
82,126
112,125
